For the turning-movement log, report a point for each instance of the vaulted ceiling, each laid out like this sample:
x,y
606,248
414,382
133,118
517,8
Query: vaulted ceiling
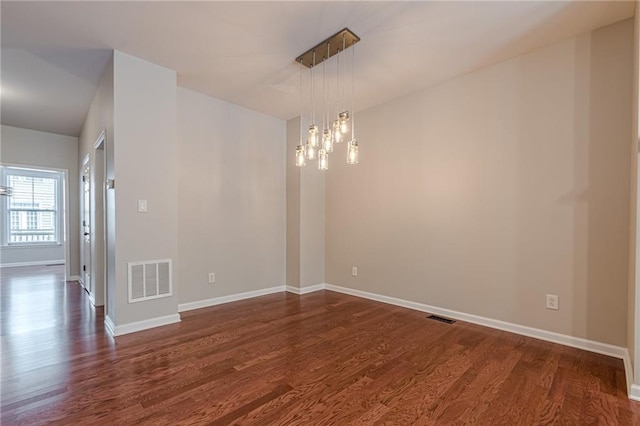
x,y
53,53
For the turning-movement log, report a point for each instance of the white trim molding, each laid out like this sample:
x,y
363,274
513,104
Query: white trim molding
x,y
74,278
182,307
109,326
34,263
628,370
634,393
619,352
305,290
550,336
132,327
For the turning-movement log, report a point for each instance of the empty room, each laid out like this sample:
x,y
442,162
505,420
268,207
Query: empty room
x,y
319,213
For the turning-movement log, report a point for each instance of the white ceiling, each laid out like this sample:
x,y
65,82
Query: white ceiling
x,y
53,53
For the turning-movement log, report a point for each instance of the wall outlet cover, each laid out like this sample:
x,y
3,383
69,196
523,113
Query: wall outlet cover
x,y
553,302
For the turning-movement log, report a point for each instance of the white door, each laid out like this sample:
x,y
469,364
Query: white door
x,y
86,231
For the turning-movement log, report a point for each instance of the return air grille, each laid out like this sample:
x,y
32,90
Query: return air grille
x,y
149,280
441,319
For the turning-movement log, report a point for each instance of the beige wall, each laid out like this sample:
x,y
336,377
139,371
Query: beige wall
x,y
145,168
231,198
633,304
489,191
34,148
312,224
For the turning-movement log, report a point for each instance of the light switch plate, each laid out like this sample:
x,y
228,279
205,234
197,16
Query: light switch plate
x,y
142,206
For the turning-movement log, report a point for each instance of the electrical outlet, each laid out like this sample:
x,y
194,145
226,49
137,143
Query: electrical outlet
x,y
553,302
354,271
212,277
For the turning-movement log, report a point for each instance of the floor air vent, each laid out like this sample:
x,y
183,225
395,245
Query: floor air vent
x,y
149,280
441,319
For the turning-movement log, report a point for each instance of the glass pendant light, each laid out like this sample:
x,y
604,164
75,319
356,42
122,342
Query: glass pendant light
x,y
352,152
300,149
313,135
337,134
337,116
300,160
313,129
323,160
327,141
343,119
310,151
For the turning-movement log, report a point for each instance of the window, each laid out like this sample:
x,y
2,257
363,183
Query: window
x,y
32,214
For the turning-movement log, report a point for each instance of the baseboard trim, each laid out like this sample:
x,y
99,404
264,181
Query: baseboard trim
x,y
628,371
634,393
74,278
189,306
619,352
550,336
34,263
108,324
132,327
305,290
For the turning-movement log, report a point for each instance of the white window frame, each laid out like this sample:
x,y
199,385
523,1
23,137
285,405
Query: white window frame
x,y
5,221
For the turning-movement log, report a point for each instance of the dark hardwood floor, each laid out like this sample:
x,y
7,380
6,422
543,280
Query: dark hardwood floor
x,y
319,359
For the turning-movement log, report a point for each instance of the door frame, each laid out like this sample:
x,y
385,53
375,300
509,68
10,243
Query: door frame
x,y
85,263
98,219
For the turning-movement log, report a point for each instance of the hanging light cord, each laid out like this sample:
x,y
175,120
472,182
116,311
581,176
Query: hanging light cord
x,y
353,113
342,73
313,102
301,105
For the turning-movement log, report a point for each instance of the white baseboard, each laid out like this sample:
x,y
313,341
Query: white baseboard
x,y
550,336
34,263
132,327
182,307
305,290
109,325
74,278
628,370
634,393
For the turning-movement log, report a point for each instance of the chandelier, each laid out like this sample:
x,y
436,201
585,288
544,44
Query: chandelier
x,y
338,121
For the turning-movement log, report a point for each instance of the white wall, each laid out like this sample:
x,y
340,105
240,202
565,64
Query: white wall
x,y
489,191
34,148
145,168
231,198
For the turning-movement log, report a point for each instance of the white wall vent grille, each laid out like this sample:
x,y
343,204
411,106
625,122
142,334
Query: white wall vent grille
x,y
149,280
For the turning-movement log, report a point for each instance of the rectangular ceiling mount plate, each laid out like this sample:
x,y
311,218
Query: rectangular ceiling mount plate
x,y
336,42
